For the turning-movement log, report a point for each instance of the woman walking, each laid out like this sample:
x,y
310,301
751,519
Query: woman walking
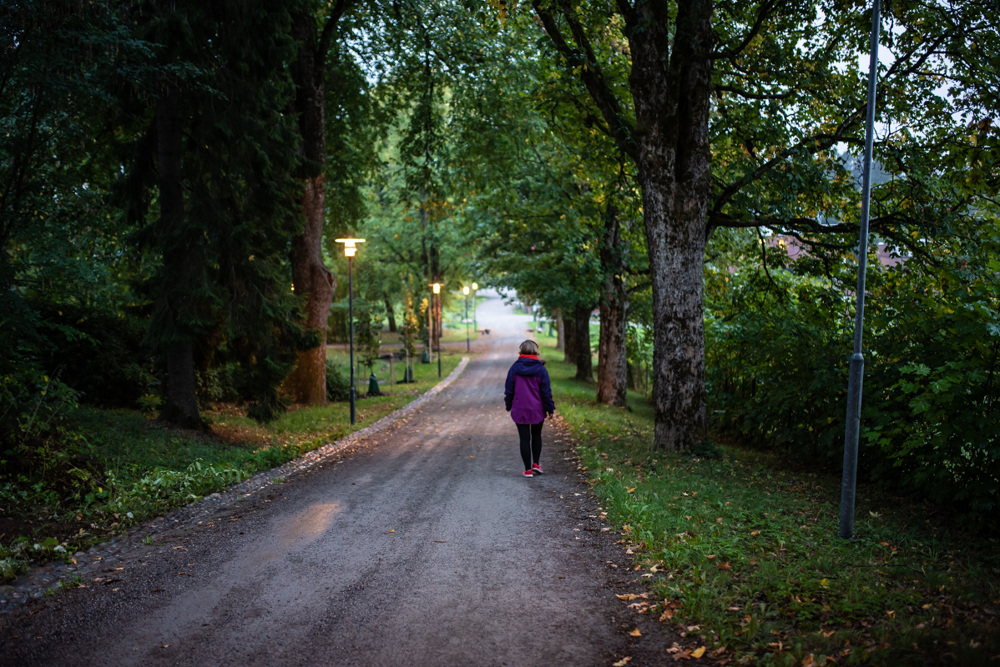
x,y
528,397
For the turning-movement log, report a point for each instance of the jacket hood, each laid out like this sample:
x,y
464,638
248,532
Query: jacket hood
x,y
528,367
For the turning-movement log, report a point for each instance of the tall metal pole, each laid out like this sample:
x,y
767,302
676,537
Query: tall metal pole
x,y
350,318
467,345
439,332
857,368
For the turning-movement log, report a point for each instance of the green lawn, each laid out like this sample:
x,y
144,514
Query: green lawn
x,y
739,552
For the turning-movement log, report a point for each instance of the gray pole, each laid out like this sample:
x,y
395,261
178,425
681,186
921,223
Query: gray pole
x,y
350,317
857,368
439,331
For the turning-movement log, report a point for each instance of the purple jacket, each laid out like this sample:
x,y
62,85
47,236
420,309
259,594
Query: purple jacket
x,y
527,392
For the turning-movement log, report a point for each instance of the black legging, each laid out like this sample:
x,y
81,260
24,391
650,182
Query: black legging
x,y
531,443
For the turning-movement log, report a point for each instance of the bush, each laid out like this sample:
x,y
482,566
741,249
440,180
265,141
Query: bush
x,y
338,387
98,353
777,360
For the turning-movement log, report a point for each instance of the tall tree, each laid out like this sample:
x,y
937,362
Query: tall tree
x,y
311,277
665,132
224,156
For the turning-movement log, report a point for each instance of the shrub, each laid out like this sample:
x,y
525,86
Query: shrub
x,y
777,358
338,387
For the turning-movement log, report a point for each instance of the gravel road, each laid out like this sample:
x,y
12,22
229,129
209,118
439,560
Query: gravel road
x,y
418,545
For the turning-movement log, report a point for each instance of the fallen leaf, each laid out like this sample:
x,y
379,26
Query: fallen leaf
x,y
724,566
164,645
621,663
698,652
389,531
666,615
635,633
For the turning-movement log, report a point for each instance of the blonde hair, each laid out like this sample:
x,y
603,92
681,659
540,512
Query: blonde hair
x,y
528,347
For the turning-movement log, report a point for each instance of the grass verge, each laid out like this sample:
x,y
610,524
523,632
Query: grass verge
x,y
741,557
135,469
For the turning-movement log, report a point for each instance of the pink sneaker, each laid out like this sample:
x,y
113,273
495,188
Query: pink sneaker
x,y
537,469
528,473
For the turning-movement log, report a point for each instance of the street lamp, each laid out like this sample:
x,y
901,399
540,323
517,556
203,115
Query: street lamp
x,y
350,248
475,325
437,333
465,291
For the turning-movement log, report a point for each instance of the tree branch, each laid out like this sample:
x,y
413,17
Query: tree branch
x,y
590,74
765,11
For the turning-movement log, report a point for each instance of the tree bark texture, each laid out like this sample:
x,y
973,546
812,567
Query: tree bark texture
x,y
390,315
612,378
560,331
670,81
312,279
672,93
569,339
181,406
583,355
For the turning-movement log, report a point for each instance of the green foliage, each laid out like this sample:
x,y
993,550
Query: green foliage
x,y
410,330
160,489
778,347
338,387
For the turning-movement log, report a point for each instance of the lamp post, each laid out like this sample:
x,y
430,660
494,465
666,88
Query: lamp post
x,y
465,291
437,334
475,286
852,429
350,247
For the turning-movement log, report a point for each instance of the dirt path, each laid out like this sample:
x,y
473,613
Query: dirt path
x,y
422,545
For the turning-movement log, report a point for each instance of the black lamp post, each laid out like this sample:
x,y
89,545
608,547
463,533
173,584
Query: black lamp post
x,y
437,326
350,248
465,291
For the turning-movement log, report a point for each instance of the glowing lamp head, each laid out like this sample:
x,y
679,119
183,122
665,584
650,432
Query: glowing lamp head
x,y
437,288
465,290
350,246
475,286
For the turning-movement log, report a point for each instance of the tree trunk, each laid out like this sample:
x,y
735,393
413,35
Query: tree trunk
x,y
390,315
560,331
569,339
612,377
583,357
181,406
674,171
312,279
